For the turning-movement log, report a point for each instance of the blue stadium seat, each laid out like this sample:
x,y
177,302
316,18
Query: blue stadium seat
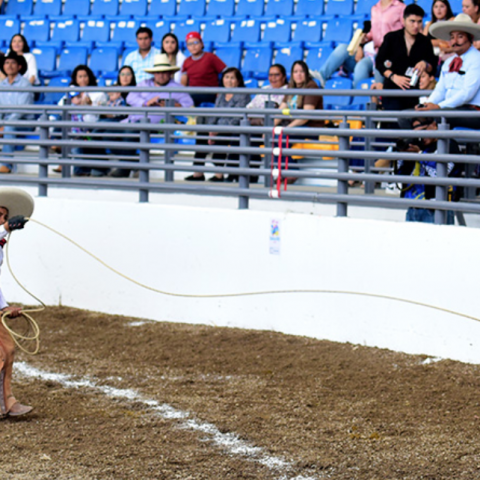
x,y
96,31
317,56
280,8
360,103
339,7
251,83
19,7
221,8
52,98
124,33
76,8
159,29
67,30
46,58
133,8
426,5
309,8
287,55
365,6
191,8
105,8
246,31
47,8
8,28
37,30
162,8
231,55
70,58
249,8
256,62
104,62
456,6
337,102
183,28
216,31
277,31
339,30
308,30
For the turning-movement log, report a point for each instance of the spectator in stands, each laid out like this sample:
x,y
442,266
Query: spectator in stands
x,y
201,69
472,9
13,66
142,58
425,168
386,17
231,78
441,12
300,78
459,84
404,53
125,78
162,72
19,45
175,55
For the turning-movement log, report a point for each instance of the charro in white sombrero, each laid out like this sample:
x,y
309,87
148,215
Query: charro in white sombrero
x,y
461,23
16,201
161,64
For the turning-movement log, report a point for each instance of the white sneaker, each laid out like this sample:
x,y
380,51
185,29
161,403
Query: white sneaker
x,y
317,76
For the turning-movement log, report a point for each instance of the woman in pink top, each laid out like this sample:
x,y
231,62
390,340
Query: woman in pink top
x,y
386,17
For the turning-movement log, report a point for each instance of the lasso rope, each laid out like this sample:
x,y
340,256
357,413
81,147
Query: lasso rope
x,y
36,329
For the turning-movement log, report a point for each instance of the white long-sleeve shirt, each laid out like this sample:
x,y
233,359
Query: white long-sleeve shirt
x,y
455,89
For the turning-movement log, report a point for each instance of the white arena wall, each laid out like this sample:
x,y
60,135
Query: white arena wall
x,y
202,250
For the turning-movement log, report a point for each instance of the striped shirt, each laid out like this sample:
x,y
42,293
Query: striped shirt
x,y
138,63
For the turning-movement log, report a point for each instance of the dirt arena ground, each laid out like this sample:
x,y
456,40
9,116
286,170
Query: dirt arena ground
x,y
116,398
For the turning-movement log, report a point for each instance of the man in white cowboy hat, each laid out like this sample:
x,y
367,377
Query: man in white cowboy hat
x,y
459,84
162,72
15,206
13,66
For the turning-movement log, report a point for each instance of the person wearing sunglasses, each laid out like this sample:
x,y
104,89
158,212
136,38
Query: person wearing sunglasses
x,y
201,69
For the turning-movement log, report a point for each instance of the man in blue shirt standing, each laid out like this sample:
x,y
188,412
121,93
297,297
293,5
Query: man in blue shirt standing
x,y
13,66
459,84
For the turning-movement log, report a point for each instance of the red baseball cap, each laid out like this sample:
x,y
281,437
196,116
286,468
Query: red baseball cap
x,y
193,35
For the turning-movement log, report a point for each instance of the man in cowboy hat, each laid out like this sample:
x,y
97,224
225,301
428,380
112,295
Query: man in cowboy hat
x,y
459,84
162,72
13,66
15,206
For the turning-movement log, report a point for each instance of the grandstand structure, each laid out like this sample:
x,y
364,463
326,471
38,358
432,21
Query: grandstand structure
x,y
247,34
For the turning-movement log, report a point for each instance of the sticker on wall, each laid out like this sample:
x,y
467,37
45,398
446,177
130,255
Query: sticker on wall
x,y
274,246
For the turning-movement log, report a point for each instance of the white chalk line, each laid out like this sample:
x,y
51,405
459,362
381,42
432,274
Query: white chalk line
x,y
227,441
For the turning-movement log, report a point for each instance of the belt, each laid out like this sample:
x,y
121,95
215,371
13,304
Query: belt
x,y
475,107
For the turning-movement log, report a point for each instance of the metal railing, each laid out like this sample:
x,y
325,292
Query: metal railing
x,y
252,144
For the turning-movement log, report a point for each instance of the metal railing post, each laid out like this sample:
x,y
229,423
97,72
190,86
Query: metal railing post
x,y
342,185
43,155
244,180
369,185
268,142
169,174
440,217
66,170
144,159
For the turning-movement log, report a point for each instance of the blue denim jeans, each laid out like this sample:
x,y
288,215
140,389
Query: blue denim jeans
x,y
361,70
425,215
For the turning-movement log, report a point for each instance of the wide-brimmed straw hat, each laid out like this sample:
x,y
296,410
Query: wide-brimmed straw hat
x,y
461,23
16,201
20,59
161,64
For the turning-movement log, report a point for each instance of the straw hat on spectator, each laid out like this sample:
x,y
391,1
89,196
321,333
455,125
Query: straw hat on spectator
x,y
161,64
16,201
461,23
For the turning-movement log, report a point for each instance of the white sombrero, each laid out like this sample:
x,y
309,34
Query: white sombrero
x,y
161,63
461,23
16,201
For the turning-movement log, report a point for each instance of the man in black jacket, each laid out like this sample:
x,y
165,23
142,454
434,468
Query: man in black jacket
x,y
404,54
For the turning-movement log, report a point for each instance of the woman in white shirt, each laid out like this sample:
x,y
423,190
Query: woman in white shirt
x,y
19,45
175,55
